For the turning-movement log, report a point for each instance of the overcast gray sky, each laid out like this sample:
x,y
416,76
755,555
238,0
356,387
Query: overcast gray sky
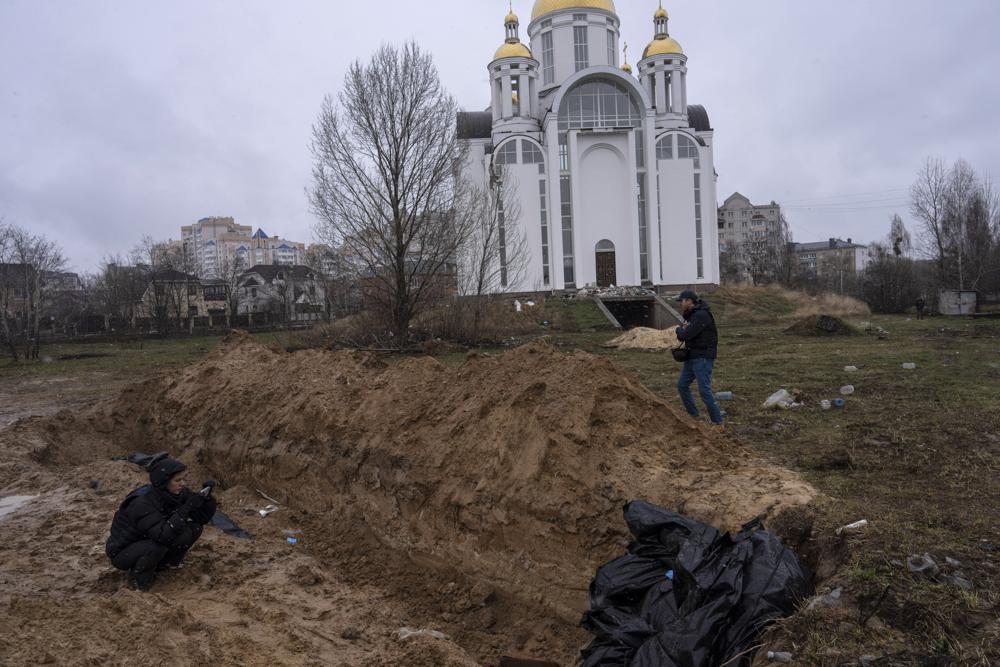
x,y
121,118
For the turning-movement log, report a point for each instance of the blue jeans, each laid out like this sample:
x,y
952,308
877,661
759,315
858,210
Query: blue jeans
x,y
700,370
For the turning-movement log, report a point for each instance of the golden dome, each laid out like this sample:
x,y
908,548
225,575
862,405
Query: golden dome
x,y
512,50
627,68
663,46
661,13
543,7
511,18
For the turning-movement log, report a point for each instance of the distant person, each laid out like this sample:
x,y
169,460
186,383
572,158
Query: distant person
x,y
701,338
157,523
921,305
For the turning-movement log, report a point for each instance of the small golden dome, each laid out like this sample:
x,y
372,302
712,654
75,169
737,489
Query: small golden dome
x,y
511,18
512,50
627,68
661,13
663,46
543,7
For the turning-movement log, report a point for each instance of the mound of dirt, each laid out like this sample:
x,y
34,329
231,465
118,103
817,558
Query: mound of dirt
x,y
821,325
643,338
485,494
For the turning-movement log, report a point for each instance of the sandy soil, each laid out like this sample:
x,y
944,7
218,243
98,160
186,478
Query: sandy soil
x,y
476,501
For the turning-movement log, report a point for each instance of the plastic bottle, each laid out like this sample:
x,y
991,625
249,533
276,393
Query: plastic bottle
x,y
779,657
839,403
724,396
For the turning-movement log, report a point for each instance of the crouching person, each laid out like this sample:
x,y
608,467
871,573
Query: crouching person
x,y
157,524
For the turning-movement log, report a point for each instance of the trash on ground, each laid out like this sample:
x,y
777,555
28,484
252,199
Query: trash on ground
x,y
850,369
724,396
782,399
855,527
729,587
292,540
951,562
779,657
909,367
847,390
228,526
839,403
959,582
831,599
587,293
825,405
923,565
267,497
270,509
406,633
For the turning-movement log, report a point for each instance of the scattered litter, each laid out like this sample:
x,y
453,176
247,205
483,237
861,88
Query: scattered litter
x,y
267,497
292,540
850,369
588,293
847,390
270,509
909,367
517,306
726,586
227,526
779,657
724,396
406,633
839,403
826,405
951,562
923,565
11,504
831,599
782,399
855,527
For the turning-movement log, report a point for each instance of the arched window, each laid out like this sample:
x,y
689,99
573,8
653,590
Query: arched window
x,y
599,103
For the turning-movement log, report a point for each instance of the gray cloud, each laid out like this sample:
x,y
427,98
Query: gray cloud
x,y
121,119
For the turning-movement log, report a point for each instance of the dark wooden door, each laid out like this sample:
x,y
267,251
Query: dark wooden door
x,y
607,275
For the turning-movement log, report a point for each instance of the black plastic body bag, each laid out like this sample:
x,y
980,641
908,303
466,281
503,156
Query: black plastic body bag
x,y
688,595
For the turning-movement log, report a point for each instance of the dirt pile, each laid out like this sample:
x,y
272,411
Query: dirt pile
x,y
644,338
490,490
821,325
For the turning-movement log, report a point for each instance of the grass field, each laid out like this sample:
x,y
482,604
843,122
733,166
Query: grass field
x,y
917,453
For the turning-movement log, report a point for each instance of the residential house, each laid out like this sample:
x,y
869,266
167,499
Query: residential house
x,y
290,293
834,258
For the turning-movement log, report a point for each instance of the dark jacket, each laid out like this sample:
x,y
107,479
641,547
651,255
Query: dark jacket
x,y
700,335
151,513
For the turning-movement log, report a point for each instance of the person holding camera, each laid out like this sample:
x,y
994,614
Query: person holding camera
x,y
158,523
701,340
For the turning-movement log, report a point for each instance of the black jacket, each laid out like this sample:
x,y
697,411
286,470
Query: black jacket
x,y
151,513
700,335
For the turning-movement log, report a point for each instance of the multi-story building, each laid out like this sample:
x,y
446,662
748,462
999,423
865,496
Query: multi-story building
x,y
291,293
613,168
212,242
832,259
741,221
220,248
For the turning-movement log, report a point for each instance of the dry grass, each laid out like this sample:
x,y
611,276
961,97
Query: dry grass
x,y
758,304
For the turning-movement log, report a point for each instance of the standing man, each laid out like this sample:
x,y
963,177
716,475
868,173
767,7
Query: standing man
x,y
157,523
921,305
701,338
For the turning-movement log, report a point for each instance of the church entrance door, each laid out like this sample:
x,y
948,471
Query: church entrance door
x,y
607,272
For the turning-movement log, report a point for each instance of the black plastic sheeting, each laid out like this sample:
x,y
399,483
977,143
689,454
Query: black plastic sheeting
x,y
688,595
219,519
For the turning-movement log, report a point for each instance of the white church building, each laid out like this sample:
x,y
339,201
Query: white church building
x,y
614,169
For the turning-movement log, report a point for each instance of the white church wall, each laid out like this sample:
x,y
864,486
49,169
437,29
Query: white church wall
x,y
529,225
602,203
680,264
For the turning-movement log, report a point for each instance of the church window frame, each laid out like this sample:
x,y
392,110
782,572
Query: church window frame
x,y
612,48
548,59
687,149
506,153
581,47
599,103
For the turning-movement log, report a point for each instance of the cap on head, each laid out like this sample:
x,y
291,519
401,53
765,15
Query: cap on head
x,y
688,294
161,471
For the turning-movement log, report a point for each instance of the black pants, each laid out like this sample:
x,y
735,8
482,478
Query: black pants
x,y
141,559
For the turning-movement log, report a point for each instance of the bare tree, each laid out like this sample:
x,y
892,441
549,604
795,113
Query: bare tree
x,y
495,257
8,285
29,260
899,237
928,199
384,179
